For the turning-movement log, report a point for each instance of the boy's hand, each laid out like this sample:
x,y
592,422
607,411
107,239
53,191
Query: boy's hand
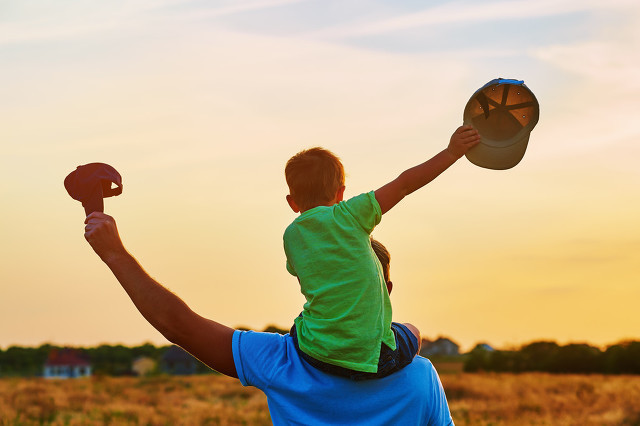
x,y
462,140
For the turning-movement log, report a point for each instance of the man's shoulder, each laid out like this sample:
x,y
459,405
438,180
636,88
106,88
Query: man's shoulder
x,y
421,368
255,354
423,363
270,362
267,351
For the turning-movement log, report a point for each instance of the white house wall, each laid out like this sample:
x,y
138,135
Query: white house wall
x,y
66,371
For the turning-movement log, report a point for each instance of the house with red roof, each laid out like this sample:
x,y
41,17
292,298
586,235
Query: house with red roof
x,y
66,363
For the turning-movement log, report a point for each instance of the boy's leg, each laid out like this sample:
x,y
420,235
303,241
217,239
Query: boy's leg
x,y
414,330
407,347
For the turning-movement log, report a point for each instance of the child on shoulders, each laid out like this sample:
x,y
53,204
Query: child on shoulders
x,y
345,327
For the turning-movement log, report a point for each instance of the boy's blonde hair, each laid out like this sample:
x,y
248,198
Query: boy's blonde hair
x,y
314,177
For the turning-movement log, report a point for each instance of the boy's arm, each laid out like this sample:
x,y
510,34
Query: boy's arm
x,y
463,139
207,340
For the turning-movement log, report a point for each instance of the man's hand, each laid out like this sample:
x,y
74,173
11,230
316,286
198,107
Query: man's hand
x,y
102,234
462,140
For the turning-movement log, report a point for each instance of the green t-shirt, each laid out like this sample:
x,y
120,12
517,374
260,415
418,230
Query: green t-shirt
x,y
348,312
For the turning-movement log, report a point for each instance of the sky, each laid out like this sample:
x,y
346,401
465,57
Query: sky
x,y
199,104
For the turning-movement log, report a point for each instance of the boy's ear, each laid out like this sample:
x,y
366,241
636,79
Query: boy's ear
x,y
340,194
293,204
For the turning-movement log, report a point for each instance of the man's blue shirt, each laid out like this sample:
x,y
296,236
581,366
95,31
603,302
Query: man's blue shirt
x,y
299,394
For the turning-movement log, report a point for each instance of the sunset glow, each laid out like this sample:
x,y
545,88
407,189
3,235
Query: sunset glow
x,y
199,105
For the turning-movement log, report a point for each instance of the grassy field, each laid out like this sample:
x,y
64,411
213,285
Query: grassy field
x,y
475,399
542,399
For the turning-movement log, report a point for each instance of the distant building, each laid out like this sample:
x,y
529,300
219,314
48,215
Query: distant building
x,y
176,360
66,363
442,346
143,366
483,347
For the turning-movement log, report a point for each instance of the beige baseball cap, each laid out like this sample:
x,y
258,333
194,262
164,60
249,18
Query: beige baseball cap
x,y
504,112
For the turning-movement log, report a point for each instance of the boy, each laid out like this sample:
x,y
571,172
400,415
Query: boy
x,y
345,327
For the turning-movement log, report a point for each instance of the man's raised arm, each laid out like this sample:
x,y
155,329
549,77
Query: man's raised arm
x,y
207,340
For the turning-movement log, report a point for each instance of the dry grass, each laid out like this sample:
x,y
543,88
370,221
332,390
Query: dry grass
x,y
542,399
195,400
475,399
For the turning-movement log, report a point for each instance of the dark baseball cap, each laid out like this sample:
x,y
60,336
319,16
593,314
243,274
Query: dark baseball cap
x,y
504,112
91,183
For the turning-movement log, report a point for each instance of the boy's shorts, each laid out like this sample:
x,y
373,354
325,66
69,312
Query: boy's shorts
x,y
389,362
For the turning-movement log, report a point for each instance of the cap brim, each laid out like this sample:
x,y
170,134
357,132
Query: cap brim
x,y
496,157
504,119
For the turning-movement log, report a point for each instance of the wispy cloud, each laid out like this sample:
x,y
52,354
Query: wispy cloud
x,y
237,7
605,62
77,20
470,12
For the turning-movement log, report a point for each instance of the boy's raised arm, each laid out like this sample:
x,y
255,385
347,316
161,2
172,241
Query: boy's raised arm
x,y
463,139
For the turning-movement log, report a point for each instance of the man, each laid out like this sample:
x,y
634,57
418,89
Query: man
x,y
297,393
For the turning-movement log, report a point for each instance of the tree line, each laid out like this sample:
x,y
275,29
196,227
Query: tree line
x,y
547,356
542,356
110,360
